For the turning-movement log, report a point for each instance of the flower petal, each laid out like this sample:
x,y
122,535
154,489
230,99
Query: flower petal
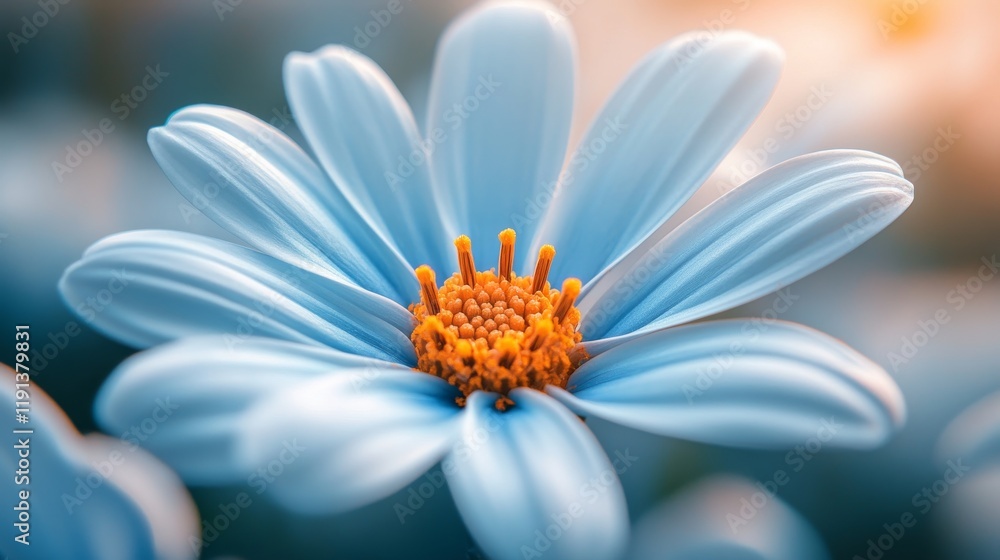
x,y
740,383
186,401
703,521
780,226
364,135
974,435
160,496
533,481
657,139
81,506
500,108
148,287
254,181
343,441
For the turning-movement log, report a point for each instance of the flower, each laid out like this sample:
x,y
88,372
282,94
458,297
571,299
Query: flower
x,y
968,451
87,497
305,343
715,518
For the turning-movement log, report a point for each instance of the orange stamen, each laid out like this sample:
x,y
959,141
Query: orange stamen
x,y
541,275
465,263
570,290
507,237
428,289
494,332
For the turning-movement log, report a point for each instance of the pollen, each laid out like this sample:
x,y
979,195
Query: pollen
x,y
495,331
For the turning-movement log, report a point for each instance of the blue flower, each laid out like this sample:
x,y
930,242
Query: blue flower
x,y
87,497
725,517
302,350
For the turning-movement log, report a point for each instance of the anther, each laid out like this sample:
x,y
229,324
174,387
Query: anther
x,y
428,289
570,290
465,264
506,237
541,275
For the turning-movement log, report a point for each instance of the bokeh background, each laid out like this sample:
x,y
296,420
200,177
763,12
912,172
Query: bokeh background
x,y
916,80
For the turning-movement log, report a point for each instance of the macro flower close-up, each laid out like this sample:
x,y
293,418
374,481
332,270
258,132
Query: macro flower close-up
x,y
334,334
463,313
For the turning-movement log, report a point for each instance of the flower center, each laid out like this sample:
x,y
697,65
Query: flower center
x,y
496,331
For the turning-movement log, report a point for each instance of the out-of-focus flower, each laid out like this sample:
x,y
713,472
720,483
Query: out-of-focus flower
x,y
87,497
701,523
312,353
972,508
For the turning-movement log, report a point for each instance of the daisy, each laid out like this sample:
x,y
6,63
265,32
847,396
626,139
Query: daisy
x,y
86,497
368,328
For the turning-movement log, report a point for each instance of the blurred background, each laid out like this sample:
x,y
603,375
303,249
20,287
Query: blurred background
x,y
916,80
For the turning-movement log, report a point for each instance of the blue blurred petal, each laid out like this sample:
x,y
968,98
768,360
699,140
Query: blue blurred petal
x,y
87,504
782,225
974,435
740,383
666,128
258,184
501,102
364,135
532,470
148,287
703,522
204,386
348,439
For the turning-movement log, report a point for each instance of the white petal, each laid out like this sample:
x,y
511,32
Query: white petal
x,y
974,435
186,401
258,184
656,140
500,108
741,383
343,441
704,522
365,137
780,226
80,503
533,481
148,287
